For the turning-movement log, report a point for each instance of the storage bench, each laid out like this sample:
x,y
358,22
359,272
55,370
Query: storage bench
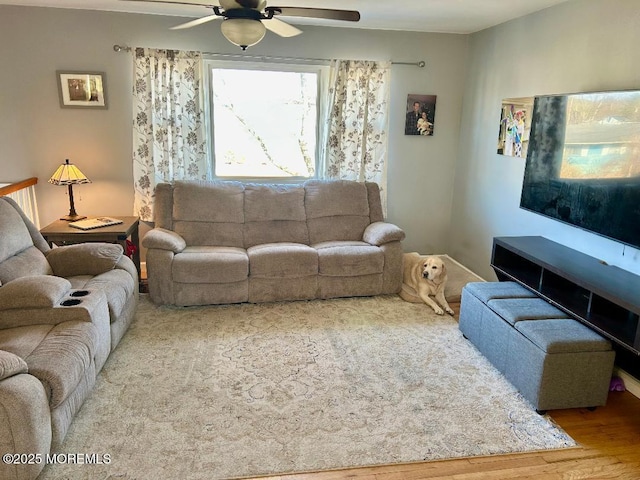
x,y
554,361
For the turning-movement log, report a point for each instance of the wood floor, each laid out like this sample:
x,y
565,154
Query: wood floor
x,y
609,440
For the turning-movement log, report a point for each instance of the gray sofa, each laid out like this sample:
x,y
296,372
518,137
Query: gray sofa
x,y
232,242
62,311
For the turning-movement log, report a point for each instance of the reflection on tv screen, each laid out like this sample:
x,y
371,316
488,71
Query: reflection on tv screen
x,y
602,136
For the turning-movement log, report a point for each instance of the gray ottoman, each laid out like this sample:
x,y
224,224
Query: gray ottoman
x,y
559,364
554,361
499,319
473,302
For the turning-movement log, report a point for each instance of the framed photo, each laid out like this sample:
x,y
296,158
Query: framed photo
x,y
515,125
82,89
421,115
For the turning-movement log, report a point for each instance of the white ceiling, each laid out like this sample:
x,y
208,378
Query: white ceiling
x,y
445,16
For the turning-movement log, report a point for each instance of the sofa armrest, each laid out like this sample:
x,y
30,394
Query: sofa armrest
x,y
38,291
11,365
84,259
379,233
164,239
126,264
48,300
25,424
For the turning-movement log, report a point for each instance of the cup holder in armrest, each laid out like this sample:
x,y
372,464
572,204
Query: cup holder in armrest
x,y
80,293
71,302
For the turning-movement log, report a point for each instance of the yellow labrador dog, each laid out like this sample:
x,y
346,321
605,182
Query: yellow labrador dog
x,y
427,275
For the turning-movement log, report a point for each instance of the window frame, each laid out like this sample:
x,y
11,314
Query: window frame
x,y
322,101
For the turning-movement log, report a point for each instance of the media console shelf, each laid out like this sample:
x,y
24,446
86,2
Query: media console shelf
x,y
603,297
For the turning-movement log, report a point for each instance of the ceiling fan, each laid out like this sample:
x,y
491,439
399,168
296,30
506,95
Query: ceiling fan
x,y
245,21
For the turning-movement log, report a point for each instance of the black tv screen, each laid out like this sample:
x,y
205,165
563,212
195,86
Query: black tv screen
x,y
583,162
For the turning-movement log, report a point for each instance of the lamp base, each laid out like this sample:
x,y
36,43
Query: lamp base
x,y
73,218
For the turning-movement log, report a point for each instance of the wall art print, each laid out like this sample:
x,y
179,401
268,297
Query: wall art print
x,y
421,114
515,125
82,89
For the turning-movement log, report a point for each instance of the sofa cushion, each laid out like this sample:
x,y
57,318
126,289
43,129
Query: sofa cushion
x,y
15,234
348,258
220,202
210,265
274,202
118,286
11,365
275,231
22,341
211,234
331,198
62,359
282,260
336,210
273,214
340,227
30,261
209,213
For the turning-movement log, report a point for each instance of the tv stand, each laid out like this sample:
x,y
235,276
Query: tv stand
x,y
603,297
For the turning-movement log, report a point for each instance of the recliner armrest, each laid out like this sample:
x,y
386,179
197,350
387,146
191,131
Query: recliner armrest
x,y
379,233
48,300
84,259
11,365
164,239
38,291
25,425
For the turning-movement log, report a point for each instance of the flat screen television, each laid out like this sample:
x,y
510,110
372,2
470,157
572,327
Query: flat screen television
x,y
583,162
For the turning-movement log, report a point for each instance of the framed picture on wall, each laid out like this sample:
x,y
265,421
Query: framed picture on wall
x,y
515,125
421,114
82,89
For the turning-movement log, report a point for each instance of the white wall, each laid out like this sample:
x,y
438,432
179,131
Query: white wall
x,y
36,134
578,46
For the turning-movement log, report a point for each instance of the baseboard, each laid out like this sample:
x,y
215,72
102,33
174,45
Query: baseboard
x,y
462,266
631,383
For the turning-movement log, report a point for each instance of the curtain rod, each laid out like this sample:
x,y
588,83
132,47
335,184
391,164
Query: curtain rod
x,y
124,48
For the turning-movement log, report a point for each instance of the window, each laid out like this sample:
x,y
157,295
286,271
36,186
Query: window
x,y
264,120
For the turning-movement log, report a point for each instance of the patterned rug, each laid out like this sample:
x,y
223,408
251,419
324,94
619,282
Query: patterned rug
x,y
247,390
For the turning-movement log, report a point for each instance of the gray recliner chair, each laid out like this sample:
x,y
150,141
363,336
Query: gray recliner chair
x,y
62,311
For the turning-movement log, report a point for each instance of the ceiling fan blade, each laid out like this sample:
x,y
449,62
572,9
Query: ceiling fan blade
x,y
197,21
347,15
255,4
195,4
281,28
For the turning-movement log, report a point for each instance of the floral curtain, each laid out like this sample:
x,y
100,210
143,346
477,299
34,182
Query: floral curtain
x,y
169,135
358,120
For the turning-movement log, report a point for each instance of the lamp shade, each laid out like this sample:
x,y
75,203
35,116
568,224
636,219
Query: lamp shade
x,y
243,32
68,174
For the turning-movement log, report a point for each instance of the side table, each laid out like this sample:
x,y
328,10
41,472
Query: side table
x,y
60,233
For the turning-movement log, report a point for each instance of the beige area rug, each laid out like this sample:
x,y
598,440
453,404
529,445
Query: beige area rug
x,y
245,390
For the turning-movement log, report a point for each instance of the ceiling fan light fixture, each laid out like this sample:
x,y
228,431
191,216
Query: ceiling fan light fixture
x,y
243,32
